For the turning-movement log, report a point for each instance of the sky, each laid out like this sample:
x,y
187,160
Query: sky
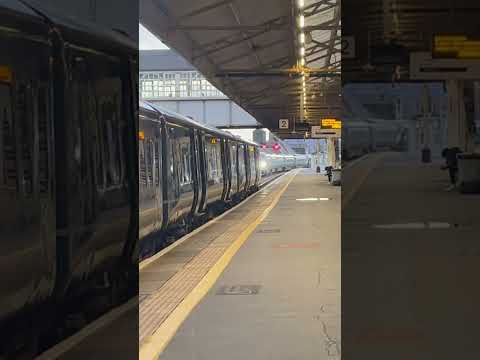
x,y
148,41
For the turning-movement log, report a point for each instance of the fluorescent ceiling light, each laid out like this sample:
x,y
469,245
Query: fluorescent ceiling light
x,y
302,38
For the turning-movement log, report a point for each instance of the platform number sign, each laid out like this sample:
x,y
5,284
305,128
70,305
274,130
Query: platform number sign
x,y
348,47
283,124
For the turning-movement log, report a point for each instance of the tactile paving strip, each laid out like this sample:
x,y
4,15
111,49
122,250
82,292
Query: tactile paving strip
x,y
158,305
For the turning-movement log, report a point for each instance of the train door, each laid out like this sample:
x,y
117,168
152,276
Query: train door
x,y
95,189
197,181
253,165
185,170
241,167
131,250
157,175
202,170
233,168
27,194
225,169
172,188
248,172
215,180
149,155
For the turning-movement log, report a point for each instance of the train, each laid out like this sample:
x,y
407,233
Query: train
x,y
362,137
188,172
75,168
271,163
68,175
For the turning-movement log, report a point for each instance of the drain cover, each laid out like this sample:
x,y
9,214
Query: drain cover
x,y
268,231
239,290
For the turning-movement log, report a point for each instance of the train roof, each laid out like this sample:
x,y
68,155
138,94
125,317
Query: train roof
x,y
186,121
18,7
73,29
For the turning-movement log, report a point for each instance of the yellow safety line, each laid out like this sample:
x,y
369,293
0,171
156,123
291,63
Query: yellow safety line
x,y
363,176
154,345
144,263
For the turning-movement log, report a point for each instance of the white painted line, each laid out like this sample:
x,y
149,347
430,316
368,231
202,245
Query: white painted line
x,y
414,225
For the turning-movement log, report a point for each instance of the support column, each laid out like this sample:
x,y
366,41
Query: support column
x,y
331,155
457,132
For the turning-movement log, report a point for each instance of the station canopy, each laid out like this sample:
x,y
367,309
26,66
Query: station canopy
x,y
275,58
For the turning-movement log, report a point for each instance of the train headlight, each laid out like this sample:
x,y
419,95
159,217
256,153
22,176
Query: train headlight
x,y
263,164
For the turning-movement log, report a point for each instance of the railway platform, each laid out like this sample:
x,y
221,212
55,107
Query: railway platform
x,y
260,282
406,243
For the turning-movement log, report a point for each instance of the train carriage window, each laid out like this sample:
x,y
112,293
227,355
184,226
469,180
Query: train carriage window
x,y
142,163
157,161
172,158
219,161
185,163
251,152
43,138
214,160
241,161
25,136
149,162
233,155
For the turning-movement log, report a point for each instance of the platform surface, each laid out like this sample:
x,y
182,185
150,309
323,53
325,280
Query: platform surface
x,y
410,263
279,298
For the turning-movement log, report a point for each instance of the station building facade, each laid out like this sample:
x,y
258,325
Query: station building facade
x,y
170,81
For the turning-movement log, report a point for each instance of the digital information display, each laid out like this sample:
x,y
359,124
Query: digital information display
x,y
331,124
455,47
5,74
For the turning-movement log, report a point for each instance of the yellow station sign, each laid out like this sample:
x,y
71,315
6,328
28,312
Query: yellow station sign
x,y
331,124
456,47
5,74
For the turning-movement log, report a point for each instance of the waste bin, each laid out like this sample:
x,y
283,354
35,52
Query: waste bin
x,y
468,173
336,177
426,155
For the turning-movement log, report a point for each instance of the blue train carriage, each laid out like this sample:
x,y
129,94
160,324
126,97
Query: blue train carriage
x,y
68,180
201,170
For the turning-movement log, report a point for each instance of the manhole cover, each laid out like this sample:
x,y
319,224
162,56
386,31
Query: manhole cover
x,y
268,231
239,290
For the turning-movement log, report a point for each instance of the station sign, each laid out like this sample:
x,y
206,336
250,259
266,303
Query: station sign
x,y
424,67
318,132
283,124
331,124
455,47
5,74
348,47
